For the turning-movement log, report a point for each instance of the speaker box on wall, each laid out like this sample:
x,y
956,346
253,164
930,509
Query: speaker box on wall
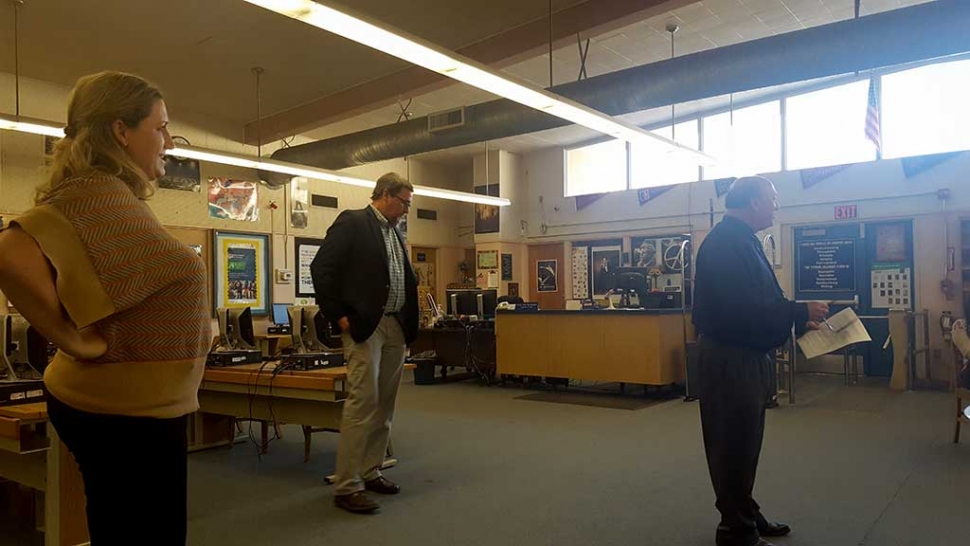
x,y
427,214
323,201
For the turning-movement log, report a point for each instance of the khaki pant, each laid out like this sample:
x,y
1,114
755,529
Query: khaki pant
x,y
374,370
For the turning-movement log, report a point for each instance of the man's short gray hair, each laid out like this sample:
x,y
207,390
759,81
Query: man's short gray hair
x,y
393,183
744,190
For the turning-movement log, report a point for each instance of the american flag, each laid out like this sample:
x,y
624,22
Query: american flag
x,y
872,114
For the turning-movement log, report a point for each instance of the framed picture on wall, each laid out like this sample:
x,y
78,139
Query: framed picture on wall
x,y
891,243
605,262
305,250
242,271
644,251
488,259
547,275
487,216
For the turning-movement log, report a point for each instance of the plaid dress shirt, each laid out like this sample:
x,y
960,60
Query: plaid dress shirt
x,y
395,264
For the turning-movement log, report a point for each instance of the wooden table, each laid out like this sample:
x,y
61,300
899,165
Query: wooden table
x,y
313,399
32,455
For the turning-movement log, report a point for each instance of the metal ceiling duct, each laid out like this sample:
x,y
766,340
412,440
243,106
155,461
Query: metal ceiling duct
x,y
921,32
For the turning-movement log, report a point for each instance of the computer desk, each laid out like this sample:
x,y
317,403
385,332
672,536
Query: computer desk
x,y
32,455
312,399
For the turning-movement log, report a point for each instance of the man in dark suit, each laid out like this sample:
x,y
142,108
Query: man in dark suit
x,y
741,315
364,283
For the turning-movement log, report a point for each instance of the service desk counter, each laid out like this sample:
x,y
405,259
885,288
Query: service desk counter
x,y
627,346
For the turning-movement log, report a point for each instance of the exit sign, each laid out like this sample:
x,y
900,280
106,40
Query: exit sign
x,y
845,212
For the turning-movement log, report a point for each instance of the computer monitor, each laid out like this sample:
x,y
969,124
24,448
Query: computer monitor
x,y
222,315
308,329
485,302
295,314
311,331
462,301
240,332
633,281
280,315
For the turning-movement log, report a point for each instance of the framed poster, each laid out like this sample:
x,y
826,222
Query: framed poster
x,y
547,275
305,250
241,271
506,267
580,272
605,261
488,259
233,200
826,265
644,252
513,289
181,174
487,216
891,243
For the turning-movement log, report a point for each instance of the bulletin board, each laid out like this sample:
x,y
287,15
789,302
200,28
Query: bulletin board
x,y
241,271
199,240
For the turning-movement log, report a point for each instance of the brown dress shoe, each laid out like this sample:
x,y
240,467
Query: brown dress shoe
x,y
383,486
358,503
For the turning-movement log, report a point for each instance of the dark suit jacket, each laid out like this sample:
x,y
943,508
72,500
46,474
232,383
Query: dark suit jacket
x,y
351,279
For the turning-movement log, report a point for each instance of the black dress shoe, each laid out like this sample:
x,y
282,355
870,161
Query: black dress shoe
x,y
358,503
383,486
773,529
725,536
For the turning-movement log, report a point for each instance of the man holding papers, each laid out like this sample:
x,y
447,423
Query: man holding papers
x,y
741,315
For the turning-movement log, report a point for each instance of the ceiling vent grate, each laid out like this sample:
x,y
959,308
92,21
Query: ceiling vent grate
x,y
448,119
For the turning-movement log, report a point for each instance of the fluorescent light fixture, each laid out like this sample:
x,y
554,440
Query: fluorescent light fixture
x,y
292,169
417,51
26,125
248,162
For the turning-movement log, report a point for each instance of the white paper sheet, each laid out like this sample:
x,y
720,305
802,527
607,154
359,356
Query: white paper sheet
x,y
849,330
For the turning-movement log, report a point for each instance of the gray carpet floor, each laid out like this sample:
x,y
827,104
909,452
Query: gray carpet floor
x,y
857,465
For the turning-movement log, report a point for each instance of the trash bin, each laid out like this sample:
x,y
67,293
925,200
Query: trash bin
x,y
424,370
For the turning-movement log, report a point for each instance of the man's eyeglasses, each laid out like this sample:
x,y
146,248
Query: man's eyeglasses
x,y
407,204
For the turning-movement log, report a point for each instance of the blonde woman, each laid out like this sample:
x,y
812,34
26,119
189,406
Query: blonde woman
x,y
94,271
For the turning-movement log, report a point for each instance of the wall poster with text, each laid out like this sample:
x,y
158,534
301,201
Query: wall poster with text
x,y
242,271
305,249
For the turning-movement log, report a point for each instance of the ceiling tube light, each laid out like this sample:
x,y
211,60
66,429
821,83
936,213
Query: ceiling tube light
x,y
448,63
27,125
37,127
292,169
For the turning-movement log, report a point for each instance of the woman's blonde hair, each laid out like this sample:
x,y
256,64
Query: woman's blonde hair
x,y
89,145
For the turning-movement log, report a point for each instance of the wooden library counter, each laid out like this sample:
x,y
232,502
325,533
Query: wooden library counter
x,y
627,346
